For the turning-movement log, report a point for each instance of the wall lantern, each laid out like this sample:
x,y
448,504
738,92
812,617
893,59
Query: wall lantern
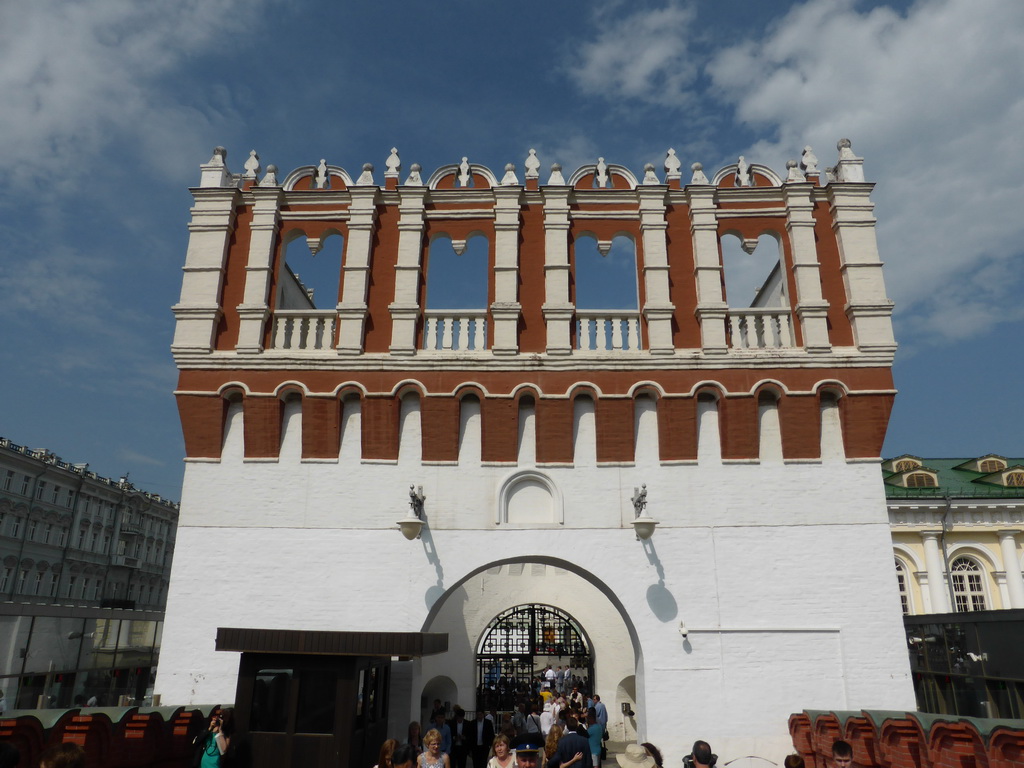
x,y
411,526
643,523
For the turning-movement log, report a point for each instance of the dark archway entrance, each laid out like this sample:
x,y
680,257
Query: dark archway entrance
x,y
516,647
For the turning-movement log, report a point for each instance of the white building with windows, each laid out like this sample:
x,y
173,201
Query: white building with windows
x,y
84,566
643,490
957,532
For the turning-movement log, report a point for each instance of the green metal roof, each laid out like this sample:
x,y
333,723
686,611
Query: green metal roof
x,y
957,483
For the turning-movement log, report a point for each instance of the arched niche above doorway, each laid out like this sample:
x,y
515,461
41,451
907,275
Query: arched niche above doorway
x,y
529,499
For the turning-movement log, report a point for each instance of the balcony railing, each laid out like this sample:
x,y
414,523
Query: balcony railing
x,y
304,329
759,328
454,330
602,331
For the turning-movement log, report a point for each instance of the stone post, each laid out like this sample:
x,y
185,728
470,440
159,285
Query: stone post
x,y
558,311
658,308
811,308
711,307
352,308
254,309
505,309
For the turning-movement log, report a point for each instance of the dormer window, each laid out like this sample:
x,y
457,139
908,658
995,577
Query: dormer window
x,y
905,465
1015,479
991,465
921,480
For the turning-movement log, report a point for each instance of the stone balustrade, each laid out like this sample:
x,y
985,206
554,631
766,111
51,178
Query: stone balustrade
x,y
306,330
454,330
759,328
603,331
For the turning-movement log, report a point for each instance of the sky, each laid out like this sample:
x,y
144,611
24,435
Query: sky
x,y
110,106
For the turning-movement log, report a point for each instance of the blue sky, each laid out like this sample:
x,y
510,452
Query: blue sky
x,y
110,106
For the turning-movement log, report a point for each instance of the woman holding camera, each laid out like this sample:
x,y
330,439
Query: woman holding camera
x,y
218,738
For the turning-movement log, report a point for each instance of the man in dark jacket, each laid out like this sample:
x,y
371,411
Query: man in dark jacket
x,y
571,743
481,736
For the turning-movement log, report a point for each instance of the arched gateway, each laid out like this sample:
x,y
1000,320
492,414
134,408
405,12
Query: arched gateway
x,y
516,647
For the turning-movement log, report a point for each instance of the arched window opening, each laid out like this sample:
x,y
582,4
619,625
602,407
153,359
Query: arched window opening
x,y
968,589
351,429
754,287
311,274
455,317
769,429
526,450
832,448
991,465
234,438
1015,479
921,480
646,451
519,644
469,430
584,432
410,447
607,300
291,426
901,581
308,288
709,442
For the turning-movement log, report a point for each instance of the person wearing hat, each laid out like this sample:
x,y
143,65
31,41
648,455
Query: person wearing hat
x,y
529,748
635,756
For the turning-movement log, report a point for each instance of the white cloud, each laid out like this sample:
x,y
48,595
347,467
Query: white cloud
x,y
641,56
78,77
932,100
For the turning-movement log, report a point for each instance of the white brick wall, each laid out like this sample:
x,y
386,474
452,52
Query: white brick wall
x,y
783,575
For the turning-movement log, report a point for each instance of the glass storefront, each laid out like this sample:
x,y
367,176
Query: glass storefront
x,y
52,661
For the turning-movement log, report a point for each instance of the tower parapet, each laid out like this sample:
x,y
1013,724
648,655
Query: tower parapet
x,y
819,323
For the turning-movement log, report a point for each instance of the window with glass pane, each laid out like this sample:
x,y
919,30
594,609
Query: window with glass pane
x,y
315,713
270,700
968,589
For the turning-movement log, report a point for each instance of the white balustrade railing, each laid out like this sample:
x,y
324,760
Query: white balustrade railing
x,y
455,330
604,331
304,329
759,328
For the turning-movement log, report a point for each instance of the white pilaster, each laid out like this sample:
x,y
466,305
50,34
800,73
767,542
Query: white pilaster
x,y
198,310
254,309
1011,564
356,268
658,308
558,311
936,572
711,306
811,308
868,307
505,309
405,309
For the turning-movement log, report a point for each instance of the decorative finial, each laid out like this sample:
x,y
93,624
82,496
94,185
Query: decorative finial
x,y
509,179
743,173
650,177
366,177
270,180
414,179
845,147
809,161
252,166
698,174
220,156
601,177
465,177
394,165
321,175
850,167
795,174
672,165
556,178
532,165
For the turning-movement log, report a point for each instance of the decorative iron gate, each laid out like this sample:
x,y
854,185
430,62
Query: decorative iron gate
x,y
516,647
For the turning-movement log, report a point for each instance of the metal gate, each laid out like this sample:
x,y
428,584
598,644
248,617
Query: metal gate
x,y
516,647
